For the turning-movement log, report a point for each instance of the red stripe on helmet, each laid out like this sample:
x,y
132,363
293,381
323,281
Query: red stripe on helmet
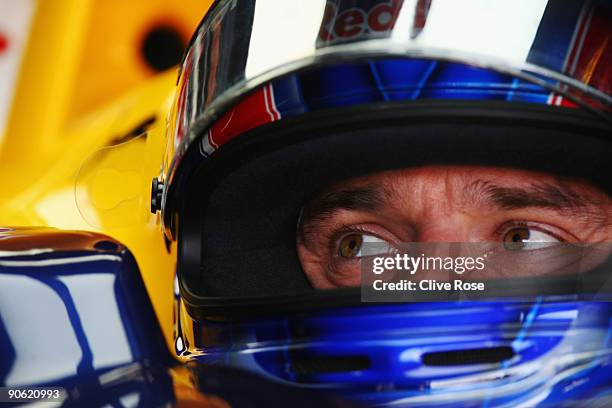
x,y
257,109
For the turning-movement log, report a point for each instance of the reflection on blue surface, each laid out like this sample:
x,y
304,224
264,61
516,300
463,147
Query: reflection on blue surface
x,y
36,331
397,80
79,319
561,351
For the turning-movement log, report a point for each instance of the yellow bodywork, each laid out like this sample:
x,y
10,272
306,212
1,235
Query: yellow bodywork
x,y
82,87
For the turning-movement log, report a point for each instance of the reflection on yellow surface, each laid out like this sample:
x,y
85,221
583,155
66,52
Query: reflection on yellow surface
x,y
110,187
61,201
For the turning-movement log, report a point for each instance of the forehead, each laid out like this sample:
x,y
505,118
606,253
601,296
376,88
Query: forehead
x,y
467,182
456,174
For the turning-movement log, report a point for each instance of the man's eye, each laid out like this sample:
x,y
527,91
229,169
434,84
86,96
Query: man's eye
x,y
519,238
351,245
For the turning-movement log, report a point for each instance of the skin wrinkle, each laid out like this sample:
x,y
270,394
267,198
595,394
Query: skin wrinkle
x,y
367,198
552,195
447,204
480,192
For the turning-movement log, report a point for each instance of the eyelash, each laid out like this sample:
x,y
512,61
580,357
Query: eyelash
x,y
505,227
345,230
337,267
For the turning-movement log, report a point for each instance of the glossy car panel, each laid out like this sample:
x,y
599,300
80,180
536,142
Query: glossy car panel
x,y
74,313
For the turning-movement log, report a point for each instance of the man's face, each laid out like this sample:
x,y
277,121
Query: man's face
x,y
444,204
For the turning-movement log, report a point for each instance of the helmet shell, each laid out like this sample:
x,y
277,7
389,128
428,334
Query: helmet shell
x,y
242,45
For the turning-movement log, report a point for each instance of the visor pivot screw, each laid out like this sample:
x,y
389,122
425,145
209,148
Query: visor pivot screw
x,y
157,190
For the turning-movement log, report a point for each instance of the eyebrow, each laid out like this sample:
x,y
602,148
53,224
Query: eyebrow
x,y
370,197
366,198
549,195
537,194
373,197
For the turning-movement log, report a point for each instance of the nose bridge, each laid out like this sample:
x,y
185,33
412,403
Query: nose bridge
x,y
444,226
446,233
443,216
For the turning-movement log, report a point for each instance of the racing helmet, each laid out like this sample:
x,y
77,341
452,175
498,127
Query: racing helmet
x,y
276,100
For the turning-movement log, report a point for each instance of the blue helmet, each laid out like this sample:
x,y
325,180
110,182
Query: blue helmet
x,y
277,100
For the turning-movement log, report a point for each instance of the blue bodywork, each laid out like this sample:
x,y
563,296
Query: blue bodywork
x,y
74,313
